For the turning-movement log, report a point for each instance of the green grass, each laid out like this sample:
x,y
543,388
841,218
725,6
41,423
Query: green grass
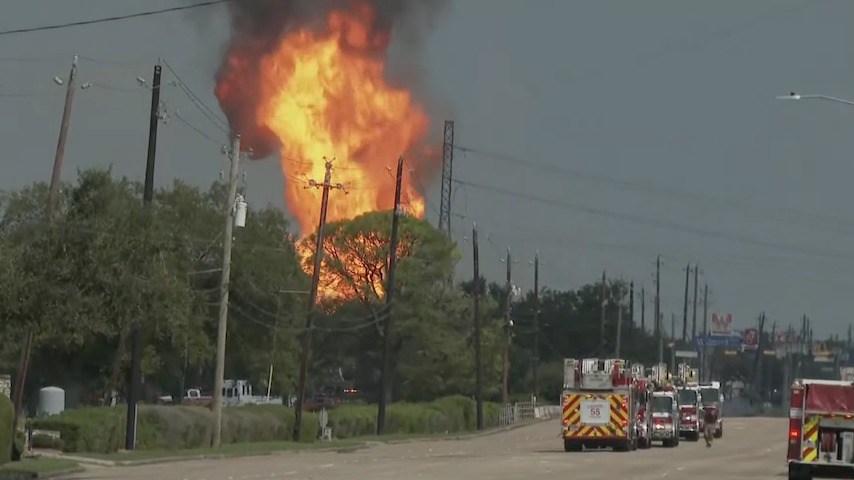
x,y
39,465
232,449
258,448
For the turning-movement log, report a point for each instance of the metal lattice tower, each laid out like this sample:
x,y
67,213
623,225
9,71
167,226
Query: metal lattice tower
x,y
447,178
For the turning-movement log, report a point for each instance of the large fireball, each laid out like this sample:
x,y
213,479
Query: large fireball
x,y
322,93
325,96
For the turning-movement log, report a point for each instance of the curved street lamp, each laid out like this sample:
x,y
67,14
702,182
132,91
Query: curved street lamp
x,y
796,96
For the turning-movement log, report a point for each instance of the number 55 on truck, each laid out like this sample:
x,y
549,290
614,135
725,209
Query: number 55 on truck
x,y
599,405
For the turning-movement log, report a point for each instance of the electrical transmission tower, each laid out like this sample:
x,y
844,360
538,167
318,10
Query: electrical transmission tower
x,y
447,178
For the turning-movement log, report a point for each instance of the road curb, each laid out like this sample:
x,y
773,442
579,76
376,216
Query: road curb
x,y
62,473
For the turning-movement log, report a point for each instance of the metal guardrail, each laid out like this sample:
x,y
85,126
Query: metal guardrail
x,y
517,412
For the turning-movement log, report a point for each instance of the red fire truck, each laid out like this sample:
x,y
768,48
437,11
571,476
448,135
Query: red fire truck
x,y
599,405
821,429
645,389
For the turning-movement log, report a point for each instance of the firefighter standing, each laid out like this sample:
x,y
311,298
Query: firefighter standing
x,y
710,419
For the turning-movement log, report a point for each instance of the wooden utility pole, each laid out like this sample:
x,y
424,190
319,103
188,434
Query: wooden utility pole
x,y
658,335
632,304
673,342
603,298
536,372
312,299
53,193
704,347
757,360
619,322
505,360
848,346
772,342
802,342
386,373
478,360
53,197
137,334
224,282
643,309
694,316
685,306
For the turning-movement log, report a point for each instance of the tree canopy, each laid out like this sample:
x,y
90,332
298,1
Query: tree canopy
x,y
106,262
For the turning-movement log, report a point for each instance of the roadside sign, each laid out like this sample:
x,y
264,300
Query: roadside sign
x,y
728,341
721,324
686,354
750,339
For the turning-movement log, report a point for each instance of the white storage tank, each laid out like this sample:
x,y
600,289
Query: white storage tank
x,y
51,401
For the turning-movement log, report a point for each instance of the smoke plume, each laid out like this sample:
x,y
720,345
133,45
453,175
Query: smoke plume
x,y
257,26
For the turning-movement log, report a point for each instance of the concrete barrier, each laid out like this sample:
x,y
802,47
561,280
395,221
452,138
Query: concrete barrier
x,y
546,412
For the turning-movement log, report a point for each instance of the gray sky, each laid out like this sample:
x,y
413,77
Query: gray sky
x,y
657,118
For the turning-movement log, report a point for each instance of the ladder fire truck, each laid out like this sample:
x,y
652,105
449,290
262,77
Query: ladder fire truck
x,y
821,429
664,407
599,405
690,402
645,388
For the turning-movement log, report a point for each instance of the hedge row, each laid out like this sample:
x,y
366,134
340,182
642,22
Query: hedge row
x,y
7,418
102,429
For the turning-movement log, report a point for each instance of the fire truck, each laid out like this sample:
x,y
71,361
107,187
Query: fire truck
x,y
821,429
599,405
645,389
711,398
689,402
665,417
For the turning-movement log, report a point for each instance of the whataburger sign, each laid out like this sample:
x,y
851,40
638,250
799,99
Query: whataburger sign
x,y
721,324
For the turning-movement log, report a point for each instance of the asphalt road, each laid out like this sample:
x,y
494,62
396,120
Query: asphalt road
x,y
752,448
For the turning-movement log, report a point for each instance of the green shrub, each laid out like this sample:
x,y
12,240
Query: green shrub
x,y
7,418
41,440
91,429
102,429
445,415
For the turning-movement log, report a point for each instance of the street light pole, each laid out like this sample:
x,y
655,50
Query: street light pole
x,y
797,96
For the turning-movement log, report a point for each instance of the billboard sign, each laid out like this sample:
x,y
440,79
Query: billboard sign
x,y
786,338
750,339
721,324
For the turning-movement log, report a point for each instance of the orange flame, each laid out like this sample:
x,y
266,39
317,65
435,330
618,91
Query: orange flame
x,y
325,96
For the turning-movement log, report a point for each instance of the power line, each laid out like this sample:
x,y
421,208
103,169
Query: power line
x,y
562,241
177,113
823,221
651,222
113,18
198,102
